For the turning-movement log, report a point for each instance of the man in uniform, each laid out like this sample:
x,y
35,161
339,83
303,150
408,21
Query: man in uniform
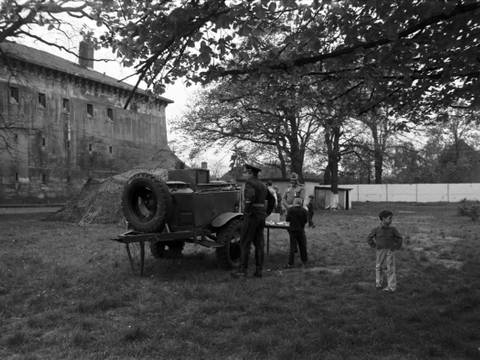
x,y
295,190
255,194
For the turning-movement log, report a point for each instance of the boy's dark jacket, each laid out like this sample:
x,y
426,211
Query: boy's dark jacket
x,y
298,217
385,237
310,207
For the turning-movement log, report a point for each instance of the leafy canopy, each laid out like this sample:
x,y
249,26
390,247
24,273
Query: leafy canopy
x,y
420,45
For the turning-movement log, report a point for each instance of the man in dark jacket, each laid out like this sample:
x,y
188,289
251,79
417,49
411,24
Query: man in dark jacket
x,y
297,217
254,215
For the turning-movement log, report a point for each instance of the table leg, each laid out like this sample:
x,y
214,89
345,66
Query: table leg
x,y
136,264
268,241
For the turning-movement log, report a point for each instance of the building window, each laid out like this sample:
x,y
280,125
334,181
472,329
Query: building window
x,y
44,141
89,109
14,97
110,113
89,147
16,176
110,149
44,179
66,105
42,100
68,144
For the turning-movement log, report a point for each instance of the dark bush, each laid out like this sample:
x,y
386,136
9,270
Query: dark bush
x,y
470,209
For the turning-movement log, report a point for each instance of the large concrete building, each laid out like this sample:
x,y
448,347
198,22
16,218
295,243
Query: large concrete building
x,y
62,123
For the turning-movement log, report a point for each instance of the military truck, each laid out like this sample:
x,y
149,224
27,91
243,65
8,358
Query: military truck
x,y
187,207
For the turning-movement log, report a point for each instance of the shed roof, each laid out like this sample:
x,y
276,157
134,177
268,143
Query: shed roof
x,y
328,187
50,61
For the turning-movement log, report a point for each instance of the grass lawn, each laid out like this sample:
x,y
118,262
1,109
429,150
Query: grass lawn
x,y
67,292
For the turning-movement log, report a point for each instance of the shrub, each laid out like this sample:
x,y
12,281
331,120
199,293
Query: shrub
x,y
470,209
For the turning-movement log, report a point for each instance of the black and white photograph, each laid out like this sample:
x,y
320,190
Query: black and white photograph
x,y
239,180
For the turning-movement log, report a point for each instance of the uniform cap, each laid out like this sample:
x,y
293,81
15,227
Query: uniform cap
x,y
252,168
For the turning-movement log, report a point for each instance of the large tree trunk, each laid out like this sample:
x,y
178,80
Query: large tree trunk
x,y
297,163
378,155
296,151
283,165
327,177
332,137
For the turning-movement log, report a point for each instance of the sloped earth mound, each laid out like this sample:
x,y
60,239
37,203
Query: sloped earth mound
x,y
99,201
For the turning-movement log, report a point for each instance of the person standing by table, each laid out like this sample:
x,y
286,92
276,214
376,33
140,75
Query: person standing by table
x,y
297,216
295,190
255,194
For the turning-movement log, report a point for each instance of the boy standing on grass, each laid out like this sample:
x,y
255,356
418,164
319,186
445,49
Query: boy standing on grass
x,y
386,239
297,216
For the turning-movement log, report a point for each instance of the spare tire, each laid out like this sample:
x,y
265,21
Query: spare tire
x,y
146,202
229,255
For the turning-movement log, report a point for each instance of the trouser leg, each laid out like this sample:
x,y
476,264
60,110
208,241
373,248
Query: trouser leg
x,y
245,242
293,246
391,270
259,244
302,246
380,266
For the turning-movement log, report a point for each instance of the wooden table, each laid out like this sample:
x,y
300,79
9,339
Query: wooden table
x,y
272,225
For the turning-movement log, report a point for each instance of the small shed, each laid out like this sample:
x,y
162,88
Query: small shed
x,y
325,199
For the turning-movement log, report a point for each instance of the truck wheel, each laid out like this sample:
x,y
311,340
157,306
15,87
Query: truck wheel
x,y
228,255
171,249
146,202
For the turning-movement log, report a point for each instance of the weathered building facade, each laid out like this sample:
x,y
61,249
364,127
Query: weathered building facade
x,y
62,122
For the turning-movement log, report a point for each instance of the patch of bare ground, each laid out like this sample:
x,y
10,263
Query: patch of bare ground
x,y
67,292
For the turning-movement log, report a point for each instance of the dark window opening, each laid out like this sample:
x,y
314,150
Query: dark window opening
x,y
14,97
66,105
16,176
68,144
44,179
42,100
15,137
110,149
68,179
110,113
44,141
89,109
89,147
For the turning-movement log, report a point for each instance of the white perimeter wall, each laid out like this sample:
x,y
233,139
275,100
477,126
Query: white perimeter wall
x,y
402,192
414,192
